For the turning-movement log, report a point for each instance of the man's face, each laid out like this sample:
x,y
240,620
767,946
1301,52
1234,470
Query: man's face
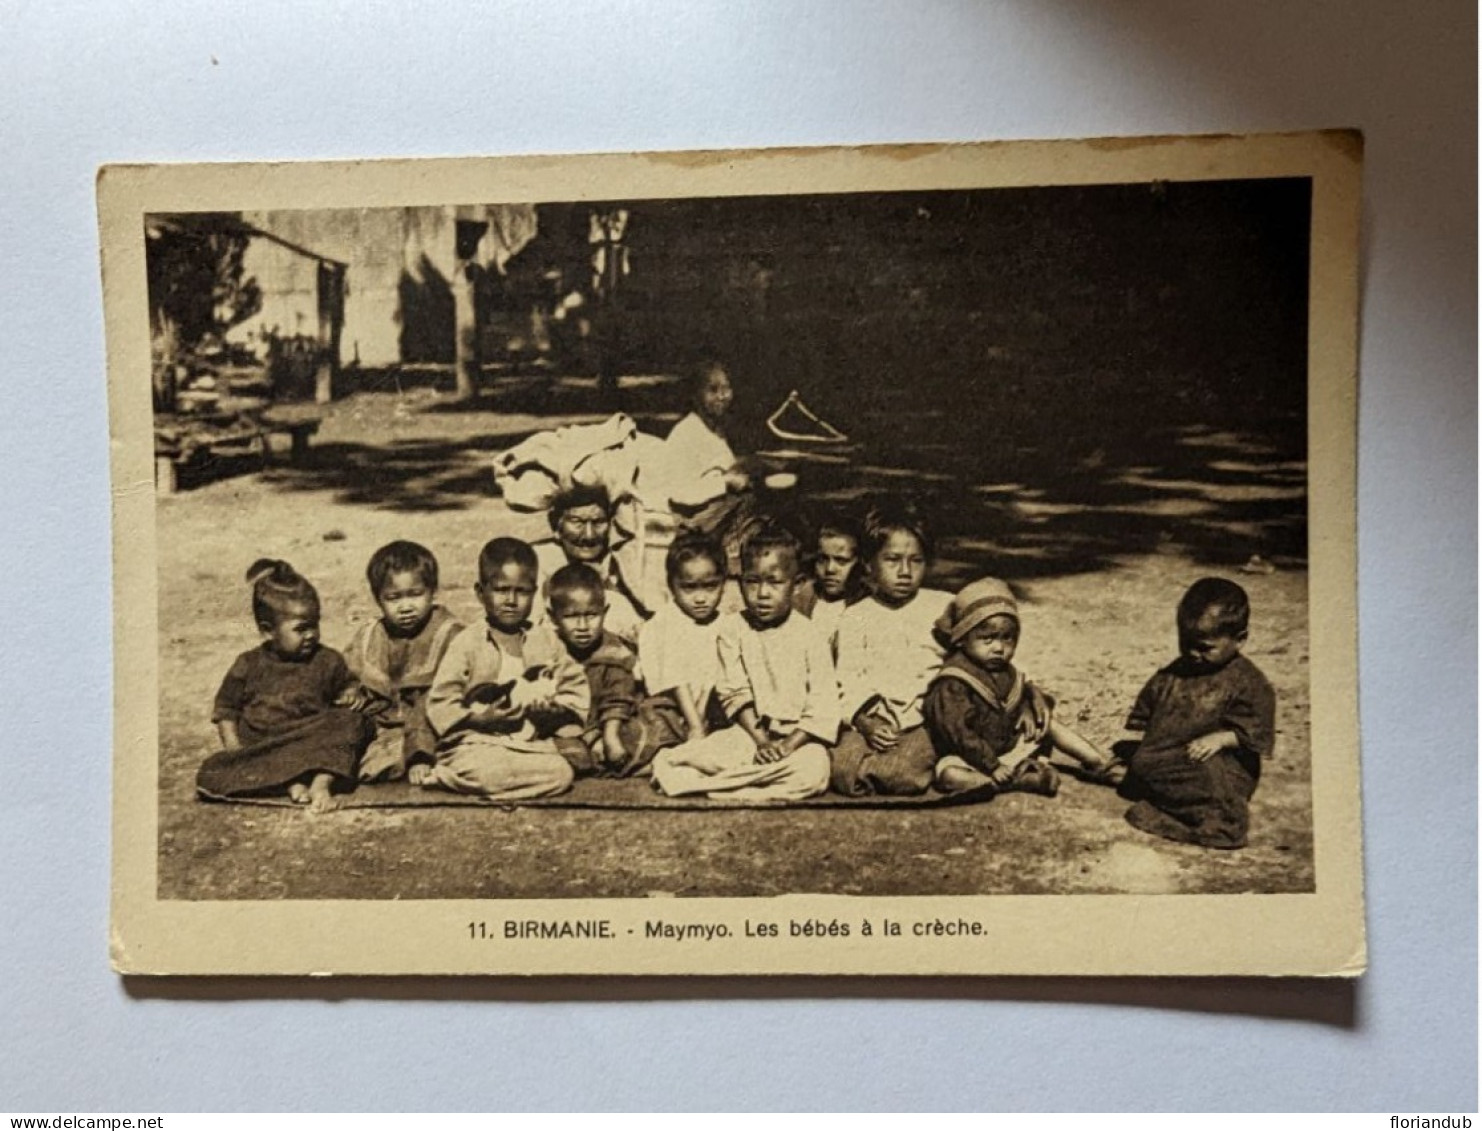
x,y
583,532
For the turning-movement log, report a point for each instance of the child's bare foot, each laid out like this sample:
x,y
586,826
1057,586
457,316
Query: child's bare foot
x,y
419,773
321,799
298,793
960,779
1112,771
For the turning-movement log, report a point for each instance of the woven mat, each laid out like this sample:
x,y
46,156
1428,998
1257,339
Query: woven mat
x,y
604,793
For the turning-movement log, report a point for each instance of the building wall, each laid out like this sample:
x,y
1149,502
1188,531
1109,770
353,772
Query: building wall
x,y
398,301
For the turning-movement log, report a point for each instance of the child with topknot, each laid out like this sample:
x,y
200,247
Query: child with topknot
x,y
279,714
1207,721
395,658
978,707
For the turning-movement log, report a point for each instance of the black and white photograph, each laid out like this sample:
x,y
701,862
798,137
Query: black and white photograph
x,y
637,540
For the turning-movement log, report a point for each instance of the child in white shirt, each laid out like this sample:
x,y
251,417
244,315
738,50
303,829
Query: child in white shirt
x,y
776,685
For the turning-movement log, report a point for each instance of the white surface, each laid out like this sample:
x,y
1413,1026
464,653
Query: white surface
x,y
174,81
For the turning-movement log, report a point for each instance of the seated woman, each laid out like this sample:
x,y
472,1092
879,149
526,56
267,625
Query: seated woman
x,y
707,487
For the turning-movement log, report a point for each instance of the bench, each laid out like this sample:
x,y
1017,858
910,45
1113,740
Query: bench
x,y
244,436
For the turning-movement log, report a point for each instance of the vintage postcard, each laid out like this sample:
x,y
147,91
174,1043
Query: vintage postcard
x,y
927,559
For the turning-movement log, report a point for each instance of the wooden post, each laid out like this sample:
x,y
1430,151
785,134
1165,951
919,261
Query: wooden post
x,y
166,478
326,363
466,362
465,333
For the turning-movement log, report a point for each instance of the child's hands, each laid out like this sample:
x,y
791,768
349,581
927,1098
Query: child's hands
x,y
737,481
768,752
1034,720
356,698
496,718
1206,746
879,732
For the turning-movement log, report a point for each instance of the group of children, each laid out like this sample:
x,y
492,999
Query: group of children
x,y
839,671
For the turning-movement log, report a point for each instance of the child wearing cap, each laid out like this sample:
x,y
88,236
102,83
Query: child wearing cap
x,y
977,707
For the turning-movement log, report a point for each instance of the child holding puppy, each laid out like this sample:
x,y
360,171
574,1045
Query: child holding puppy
x,y
504,691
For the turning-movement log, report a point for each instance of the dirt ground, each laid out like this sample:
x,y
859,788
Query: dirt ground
x,y
1099,540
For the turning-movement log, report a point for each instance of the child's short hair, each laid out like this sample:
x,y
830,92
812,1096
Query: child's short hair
x,y
499,552
1225,600
691,546
770,536
276,588
573,578
840,526
580,495
401,557
894,516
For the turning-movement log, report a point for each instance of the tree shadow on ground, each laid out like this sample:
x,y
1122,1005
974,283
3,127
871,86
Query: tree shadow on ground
x,y
1021,499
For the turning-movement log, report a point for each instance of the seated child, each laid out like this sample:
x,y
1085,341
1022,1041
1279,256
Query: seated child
x,y
977,708
607,744
396,656
677,654
776,685
503,691
835,584
1207,721
888,653
281,728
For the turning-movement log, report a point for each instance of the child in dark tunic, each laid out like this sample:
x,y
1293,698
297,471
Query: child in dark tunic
x,y
1207,721
282,728
978,709
613,740
395,659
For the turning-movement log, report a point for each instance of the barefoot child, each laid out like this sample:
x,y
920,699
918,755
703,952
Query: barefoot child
x,y
835,584
977,709
776,685
578,608
1207,721
396,657
677,657
503,691
281,730
888,654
